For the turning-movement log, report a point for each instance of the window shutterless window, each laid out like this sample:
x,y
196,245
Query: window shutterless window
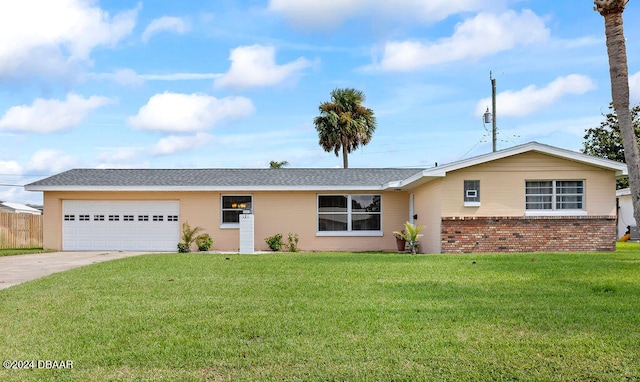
x,y
349,213
233,206
471,192
554,195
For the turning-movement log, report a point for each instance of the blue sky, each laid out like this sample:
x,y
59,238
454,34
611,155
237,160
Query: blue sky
x,y
180,84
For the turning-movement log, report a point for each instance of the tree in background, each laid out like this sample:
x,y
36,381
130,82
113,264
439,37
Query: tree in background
x,y
276,164
605,141
344,124
612,11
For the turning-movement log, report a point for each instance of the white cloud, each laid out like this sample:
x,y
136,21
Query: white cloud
x,y
165,24
481,36
48,160
10,168
180,76
330,13
119,154
634,88
526,101
48,37
12,194
175,112
129,76
51,115
253,66
126,77
173,144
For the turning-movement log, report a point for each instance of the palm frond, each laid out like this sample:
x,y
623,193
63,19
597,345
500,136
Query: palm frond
x,y
344,123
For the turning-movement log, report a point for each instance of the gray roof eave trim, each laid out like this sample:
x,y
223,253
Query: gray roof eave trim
x,y
421,176
204,188
440,171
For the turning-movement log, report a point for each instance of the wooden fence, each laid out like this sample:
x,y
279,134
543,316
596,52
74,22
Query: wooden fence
x,y
20,230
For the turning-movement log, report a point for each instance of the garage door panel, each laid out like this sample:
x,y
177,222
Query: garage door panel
x,y
120,225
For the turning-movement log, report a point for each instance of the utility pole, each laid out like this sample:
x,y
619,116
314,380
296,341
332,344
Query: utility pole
x,y
493,110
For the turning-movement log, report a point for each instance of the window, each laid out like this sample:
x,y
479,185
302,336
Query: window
x,y
554,195
127,218
350,213
172,218
471,193
83,218
98,218
157,218
232,207
70,218
114,218
143,218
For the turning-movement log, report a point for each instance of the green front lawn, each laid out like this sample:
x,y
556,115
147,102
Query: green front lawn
x,y
332,316
21,251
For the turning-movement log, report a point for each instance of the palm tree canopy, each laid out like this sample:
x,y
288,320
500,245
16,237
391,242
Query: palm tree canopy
x,y
610,6
276,164
344,124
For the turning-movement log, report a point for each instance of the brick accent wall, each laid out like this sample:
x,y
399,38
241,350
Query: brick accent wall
x,y
528,234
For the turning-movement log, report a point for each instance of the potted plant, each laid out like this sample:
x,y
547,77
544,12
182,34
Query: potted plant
x,y
410,234
401,242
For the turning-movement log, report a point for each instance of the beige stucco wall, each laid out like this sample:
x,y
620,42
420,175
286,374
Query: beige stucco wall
x,y
502,184
274,212
428,207
502,191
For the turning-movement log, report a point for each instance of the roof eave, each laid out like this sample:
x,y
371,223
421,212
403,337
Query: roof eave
x,y
619,168
202,188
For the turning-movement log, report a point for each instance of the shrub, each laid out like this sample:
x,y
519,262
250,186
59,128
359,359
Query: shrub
x,y
293,242
204,242
188,237
274,242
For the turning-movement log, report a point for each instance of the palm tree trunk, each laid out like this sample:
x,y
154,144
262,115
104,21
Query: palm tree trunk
x,y
619,72
345,159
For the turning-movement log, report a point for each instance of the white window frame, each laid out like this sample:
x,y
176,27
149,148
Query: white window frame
x,y
222,209
554,210
469,203
349,213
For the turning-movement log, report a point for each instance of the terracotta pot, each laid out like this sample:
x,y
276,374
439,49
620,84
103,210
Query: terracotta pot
x,y
402,245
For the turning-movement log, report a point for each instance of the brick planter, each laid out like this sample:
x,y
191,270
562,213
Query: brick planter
x,y
528,234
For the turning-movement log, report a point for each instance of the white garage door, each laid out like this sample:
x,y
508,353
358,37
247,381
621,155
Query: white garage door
x,y
96,225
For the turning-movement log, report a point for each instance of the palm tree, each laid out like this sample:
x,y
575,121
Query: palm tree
x,y
344,124
276,164
612,10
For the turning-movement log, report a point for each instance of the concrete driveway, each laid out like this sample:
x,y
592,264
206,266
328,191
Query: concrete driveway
x,y
18,269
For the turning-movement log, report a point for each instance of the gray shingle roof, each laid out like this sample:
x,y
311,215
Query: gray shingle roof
x,y
224,178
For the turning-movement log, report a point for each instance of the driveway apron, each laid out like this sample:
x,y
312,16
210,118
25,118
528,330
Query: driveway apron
x,y
18,269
